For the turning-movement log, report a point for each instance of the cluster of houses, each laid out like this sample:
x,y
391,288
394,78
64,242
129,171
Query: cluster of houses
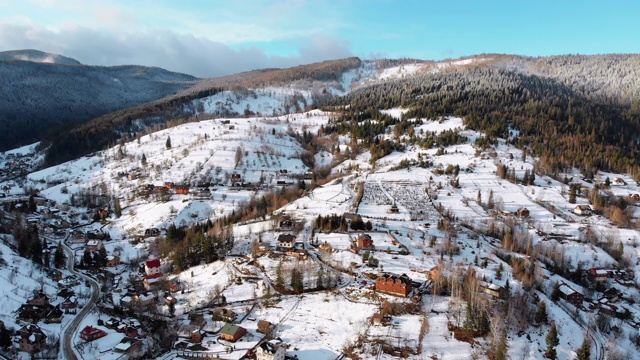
x,y
15,165
37,309
129,342
599,278
191,335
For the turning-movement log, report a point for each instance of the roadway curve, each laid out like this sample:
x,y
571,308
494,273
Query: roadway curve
x,y
72,328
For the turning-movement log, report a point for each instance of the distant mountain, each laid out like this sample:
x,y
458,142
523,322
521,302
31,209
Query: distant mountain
x,y
37,56
594,98
576,110
317,78
44,97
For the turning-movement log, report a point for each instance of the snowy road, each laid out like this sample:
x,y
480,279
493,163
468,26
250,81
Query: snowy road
x,y
67,345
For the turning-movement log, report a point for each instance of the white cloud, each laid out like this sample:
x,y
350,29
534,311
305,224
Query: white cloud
x,y
168,49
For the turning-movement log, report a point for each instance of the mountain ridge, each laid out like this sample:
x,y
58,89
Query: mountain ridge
x,y
37,56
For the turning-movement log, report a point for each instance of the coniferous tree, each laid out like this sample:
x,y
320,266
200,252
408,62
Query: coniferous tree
x,y
5,337
572,194
584,352
117,208
552,341
87,259
36,246
32,204
167,144
555,295
143,161
541,313
58,257
320,278
279,278
490,203
296,281
46,255
499,271
501,348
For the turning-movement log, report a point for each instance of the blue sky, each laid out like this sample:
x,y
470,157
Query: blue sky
x,y
213,38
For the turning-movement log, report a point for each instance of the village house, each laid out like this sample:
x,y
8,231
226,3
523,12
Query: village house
x,y
70,302
32,313
377,319
394,284
285,223
113,261
174,287
151,232
153,282
493,290
224,314
582,210
270,351
182,189
522,212
78,237
190,332
570,295
394,209
152,267
90,333
54,316
112,323
264,326
128,345
286,241
600,274
618,182
32,339
40,299
144,299
363,241
301,254
93,245
231,332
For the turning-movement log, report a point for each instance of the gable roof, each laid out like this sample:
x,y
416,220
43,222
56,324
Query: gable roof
x,y
230,329
152,263
286,238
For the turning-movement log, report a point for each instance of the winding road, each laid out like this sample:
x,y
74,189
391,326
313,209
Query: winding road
x,y
67,339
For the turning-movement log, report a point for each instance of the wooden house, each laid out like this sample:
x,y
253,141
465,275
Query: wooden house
x,y
224,314
90,333
264,326
231,332
363,241
582,210
570,295
286,241
522,212
32,339
128,345
394,284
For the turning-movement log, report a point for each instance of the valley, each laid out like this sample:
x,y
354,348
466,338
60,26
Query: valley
x,y
273,231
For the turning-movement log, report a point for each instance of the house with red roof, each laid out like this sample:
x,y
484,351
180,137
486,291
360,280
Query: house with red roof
x,y
152,267
89,333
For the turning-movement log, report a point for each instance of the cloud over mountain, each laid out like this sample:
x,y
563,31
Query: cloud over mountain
x,y
164,48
